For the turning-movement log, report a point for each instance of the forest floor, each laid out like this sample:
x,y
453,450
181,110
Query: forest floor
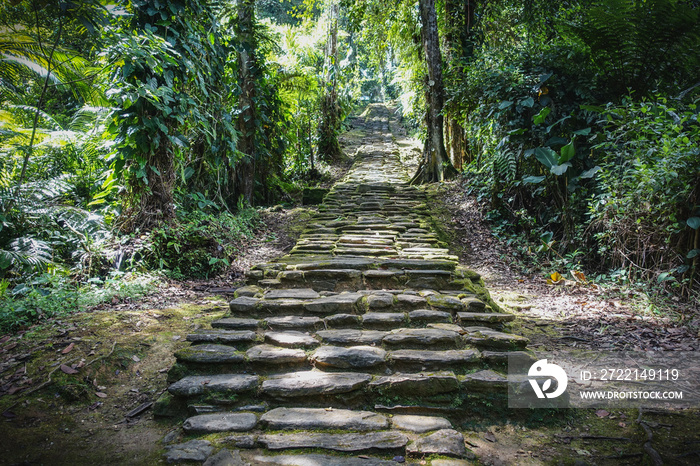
x,y
78,390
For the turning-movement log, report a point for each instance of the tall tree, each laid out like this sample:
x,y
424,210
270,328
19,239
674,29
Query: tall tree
x,y
247,76
328,146
436,165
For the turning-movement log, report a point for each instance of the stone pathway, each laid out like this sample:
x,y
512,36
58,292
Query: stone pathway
x,y
366,345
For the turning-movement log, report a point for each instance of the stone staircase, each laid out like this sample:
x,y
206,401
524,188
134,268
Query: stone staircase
x,y
366,344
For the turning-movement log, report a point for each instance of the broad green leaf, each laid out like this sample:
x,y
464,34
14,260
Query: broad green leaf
x,y
540,117
583,132
567,152
533,179
590,173
529,102
664,277
693,253
693,222
505,104
546,156
560,169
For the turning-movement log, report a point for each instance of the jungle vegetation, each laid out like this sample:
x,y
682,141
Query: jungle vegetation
x,y
141,136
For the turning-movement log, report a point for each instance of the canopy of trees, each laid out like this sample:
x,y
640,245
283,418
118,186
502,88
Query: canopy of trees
x,y
159,123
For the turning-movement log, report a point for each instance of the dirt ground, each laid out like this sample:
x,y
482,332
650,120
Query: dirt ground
x,y
79,390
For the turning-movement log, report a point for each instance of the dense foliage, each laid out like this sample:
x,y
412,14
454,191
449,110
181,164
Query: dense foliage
x,y
136,135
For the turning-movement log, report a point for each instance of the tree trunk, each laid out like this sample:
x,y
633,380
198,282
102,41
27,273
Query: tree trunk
x,y
244,171
328,146
436,165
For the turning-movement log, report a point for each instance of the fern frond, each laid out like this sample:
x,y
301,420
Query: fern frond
x,y
27,254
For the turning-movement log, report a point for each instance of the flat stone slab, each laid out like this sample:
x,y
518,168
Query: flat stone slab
x,y
447,303
474,304
226,458
210,354
489,338
419,424
486,380
229,383
220,422
309,383
380,301
291,339
319,460
411,301
323,419
335,442
383,319
235,323
484,317
446,442
427,316
344,303
243,304
352,337
294,293
221,336
194,450
421,384
343,320
269,354
293,322
435,358
424,337
354,357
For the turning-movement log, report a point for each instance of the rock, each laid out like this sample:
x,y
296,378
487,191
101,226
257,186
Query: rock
x,y
248,291
336,442
242,441
293,322
194,450
243,305
471,318
220,422
229,383
437,359
383,320
419,424
354,357
420,384
210,354
486,381
268,354
447,303
380,301
293,293
502,357
446,442
345,303
235,323
351,337
423,337
226,458
319,460
489,338
323,419
313,383
291,339
474,304
343,320
221,336
425,316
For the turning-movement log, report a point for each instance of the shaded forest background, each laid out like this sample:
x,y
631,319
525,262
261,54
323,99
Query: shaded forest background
x,y
140,138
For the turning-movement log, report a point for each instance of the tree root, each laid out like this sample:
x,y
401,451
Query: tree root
x,y
648,449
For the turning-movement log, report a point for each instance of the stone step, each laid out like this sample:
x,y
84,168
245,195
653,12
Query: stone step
x,y
352,442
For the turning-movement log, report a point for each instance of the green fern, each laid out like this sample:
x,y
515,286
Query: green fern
x,y
505,165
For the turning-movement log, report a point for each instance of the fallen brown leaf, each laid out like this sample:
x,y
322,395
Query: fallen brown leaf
x,y
68,348
601,413
101,394
68,370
